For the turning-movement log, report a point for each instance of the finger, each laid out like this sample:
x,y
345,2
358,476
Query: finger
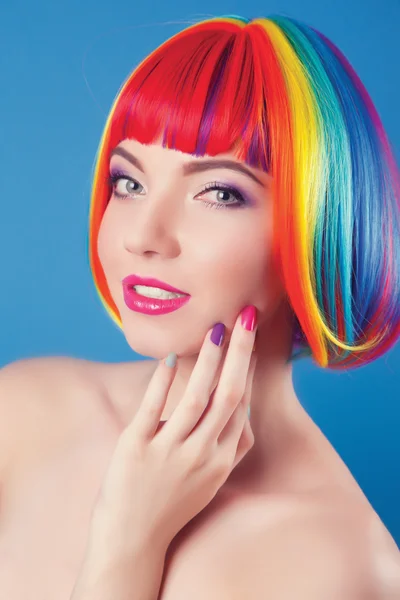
x,y
147,419
199,388
246,440
231,386
245,443
229,437
250,380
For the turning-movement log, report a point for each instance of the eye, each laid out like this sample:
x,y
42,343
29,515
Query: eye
x,y
224,191
127,185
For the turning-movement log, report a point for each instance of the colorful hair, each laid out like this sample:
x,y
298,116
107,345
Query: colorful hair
x,y
284,99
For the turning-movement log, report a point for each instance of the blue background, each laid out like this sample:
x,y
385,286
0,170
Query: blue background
x,y
62,65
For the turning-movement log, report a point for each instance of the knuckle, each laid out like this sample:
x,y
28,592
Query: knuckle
x,y
196,456
161,449
244,344
194,403
221,467
152,410
128,442
232,396
127,452
208,358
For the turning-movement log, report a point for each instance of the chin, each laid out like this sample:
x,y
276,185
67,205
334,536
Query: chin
x,y
154,342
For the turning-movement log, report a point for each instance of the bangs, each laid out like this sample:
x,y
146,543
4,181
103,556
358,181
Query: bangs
x,y
204,94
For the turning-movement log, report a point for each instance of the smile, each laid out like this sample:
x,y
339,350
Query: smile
x,y
155,302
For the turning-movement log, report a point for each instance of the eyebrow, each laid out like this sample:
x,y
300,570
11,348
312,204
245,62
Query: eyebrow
x,y
196,166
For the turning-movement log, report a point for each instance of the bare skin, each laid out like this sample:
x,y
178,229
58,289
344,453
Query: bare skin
x,y
70,430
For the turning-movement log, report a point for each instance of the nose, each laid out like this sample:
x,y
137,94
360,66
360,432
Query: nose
x,y
153,227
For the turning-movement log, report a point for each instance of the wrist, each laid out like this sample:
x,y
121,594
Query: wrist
x,y
120,575
109,543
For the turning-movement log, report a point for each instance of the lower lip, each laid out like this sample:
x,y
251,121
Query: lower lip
x,y
151,306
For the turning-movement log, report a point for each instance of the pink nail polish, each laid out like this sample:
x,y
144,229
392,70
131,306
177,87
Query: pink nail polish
x,y
249,317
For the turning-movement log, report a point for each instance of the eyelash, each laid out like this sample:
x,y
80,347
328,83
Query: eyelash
x,y
113,179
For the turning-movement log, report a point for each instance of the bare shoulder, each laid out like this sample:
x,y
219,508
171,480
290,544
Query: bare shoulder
x,y
316,551
33,395
42,398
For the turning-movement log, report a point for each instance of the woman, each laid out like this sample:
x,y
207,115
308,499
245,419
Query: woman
x,y
176,496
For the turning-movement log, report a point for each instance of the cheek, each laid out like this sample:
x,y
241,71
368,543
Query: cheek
x,y
236,264
105,229
106,242
234,259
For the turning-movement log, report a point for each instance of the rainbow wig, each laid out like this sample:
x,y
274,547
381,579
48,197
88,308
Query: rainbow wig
x,y
284,99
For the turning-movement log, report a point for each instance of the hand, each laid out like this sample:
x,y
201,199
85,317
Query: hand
x,y
159,479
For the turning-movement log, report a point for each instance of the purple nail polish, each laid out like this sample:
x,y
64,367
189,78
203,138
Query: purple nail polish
x,y
217,334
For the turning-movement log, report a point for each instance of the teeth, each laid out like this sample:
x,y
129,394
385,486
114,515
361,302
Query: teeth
x,y
153,292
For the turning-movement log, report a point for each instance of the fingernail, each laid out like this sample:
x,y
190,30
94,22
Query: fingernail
x,y
170,361
217,334
249,317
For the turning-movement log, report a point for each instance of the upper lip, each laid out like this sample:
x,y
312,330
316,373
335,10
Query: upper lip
x,y
151,281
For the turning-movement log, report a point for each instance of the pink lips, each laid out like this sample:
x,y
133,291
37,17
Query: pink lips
x,y
151,306
132,280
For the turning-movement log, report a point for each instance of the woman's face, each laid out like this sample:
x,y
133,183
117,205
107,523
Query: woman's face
x,y
208,243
